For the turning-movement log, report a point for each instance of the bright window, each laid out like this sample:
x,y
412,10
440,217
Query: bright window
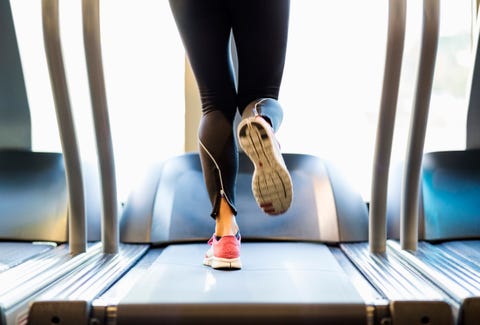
x,y
144,74
334,74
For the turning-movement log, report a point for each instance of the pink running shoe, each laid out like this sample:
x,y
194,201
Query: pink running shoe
x,y
223,253
271,182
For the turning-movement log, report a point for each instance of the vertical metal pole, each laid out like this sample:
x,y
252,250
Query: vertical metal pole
x,y
93,53
77,219
418,126
385,126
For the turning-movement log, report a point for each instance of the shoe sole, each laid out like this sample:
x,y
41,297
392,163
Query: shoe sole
x,y
223,263
271,182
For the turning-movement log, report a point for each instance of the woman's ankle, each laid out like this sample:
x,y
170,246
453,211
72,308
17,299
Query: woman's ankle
x,y
226,227
226,223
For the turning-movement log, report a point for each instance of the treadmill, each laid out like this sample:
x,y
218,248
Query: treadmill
x,y
295,271
434,207
37,213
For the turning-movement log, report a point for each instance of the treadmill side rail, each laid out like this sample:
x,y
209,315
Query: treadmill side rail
x,y
82,286
22,284
470,311
60,312
454,274
421,312
405,288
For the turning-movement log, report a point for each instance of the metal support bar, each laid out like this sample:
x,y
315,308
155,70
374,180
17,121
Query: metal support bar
x,y
418,126
385,126
93,53
71,156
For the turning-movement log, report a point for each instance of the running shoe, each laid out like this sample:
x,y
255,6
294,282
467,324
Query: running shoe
x,y
271,182
224,252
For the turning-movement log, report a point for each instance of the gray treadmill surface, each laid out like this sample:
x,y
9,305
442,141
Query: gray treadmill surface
x,y
290,279
14,253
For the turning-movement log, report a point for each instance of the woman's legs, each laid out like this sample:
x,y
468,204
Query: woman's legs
x,y
260,28
205,26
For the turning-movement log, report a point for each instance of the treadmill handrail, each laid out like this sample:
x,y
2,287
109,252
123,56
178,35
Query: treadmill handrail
x,y
418,126
77,227
93,55
385,125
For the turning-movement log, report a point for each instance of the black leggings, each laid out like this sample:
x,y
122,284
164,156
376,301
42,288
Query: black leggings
x,y
260,29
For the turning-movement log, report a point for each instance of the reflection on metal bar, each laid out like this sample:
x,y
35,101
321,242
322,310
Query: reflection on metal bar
x,y
386,121
71,156
451,274
24,285
93,53
388,275
418,126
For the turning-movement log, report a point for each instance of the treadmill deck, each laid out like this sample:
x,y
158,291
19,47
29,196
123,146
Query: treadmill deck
x,y
278,281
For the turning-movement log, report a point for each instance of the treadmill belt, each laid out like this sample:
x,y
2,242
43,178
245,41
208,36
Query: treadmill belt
x,y
277,280
14,253
469,249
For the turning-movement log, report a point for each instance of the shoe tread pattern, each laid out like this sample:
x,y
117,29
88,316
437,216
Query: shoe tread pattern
x,y
271,182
